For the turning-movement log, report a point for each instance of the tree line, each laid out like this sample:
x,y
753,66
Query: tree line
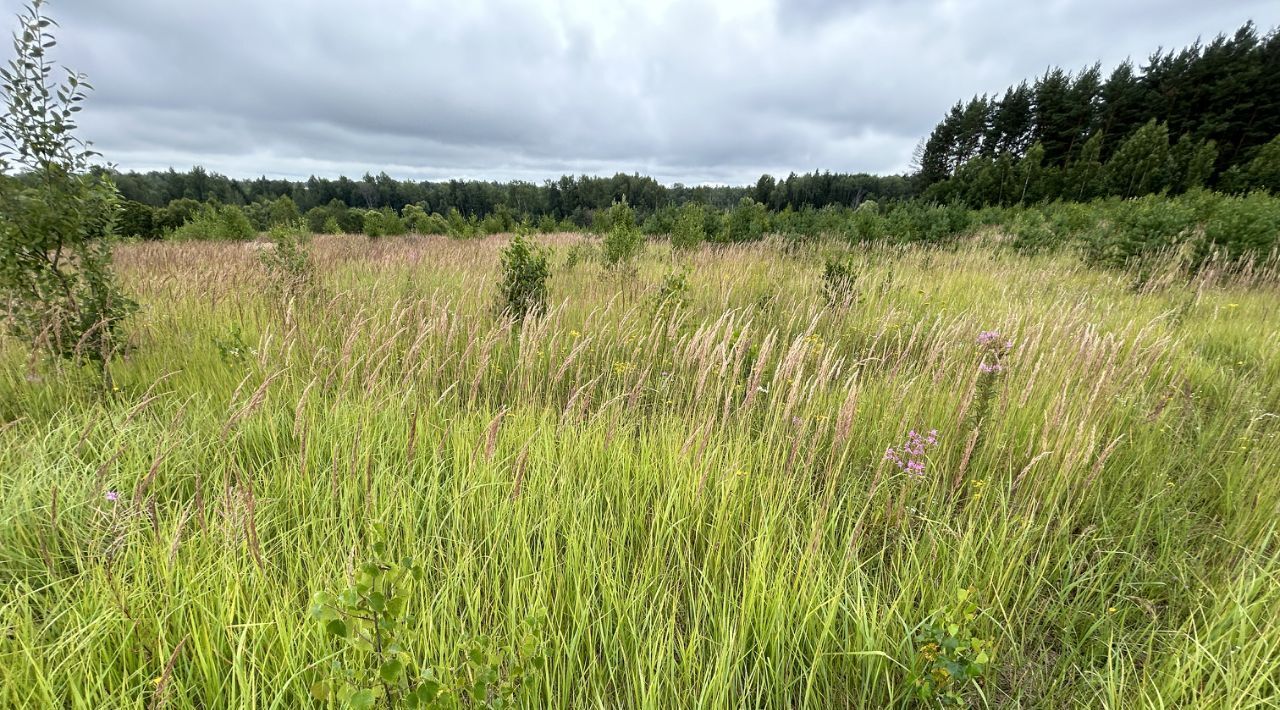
x,y
160,201
1201,116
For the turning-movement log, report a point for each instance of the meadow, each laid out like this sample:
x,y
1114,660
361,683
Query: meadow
x,y
719,485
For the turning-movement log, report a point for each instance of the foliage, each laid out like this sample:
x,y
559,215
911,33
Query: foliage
x,y
232,348
417,221
622,240
216,222
578,253
699,506
383,222
839,281
745,222
1217,99
933,224
376,667
137,220
688,231
288,262
525,270
56,217
673,292
952,657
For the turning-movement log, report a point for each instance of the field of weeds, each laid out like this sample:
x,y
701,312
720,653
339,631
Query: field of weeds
x,y
718,479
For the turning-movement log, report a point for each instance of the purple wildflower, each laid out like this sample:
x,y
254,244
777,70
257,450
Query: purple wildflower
x,y
992,341
112,496
993,347
911,458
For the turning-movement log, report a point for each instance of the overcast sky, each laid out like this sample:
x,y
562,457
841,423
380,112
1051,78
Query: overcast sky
x,y
694,91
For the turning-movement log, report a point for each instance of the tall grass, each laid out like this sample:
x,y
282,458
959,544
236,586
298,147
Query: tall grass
x,y
696,497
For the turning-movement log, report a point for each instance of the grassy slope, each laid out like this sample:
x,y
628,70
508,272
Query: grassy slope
x,y
702,511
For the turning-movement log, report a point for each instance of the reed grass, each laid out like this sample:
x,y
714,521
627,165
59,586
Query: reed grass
x,y
696,497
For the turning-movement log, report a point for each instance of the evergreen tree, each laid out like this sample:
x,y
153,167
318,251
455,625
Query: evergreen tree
x,y
1012,123
1029,175
1123,107
1083,175
1054,116
1190,163
1263,172
1140,165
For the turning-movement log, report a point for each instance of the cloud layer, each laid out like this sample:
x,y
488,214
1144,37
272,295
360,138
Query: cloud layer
x,y
685,90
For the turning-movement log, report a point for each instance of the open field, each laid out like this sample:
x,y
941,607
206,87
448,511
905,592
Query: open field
x,y
696,497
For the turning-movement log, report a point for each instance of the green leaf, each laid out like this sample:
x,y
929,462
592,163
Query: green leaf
x,y
982,658
361,699
337,627
395,605
391,670
428,690
377,601
320,690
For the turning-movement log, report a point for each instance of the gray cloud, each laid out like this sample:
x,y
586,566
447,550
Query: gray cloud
x,y
685,90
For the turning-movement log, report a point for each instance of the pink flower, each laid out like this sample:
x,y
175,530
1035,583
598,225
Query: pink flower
x,y
112,496
911,459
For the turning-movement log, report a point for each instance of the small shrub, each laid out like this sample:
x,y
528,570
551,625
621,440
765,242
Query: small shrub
x,y
288,263
1031,232
950,656
931,224
375,666
839,281
579,253
525,270
383,223
232,348
216,222
57,217
623,241
689,228
746,222
673,292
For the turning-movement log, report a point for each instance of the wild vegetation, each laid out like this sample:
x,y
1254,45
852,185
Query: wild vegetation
x,y
715,453
1076,503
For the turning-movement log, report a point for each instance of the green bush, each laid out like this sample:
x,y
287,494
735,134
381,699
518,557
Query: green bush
x,y
745,222
288,261
177,213
216,222
525,270
57,217
374,666
623,241
688,230
137,220
383,223
1246,226
952,658
931,224
673,292
839,281
660,222
417,221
